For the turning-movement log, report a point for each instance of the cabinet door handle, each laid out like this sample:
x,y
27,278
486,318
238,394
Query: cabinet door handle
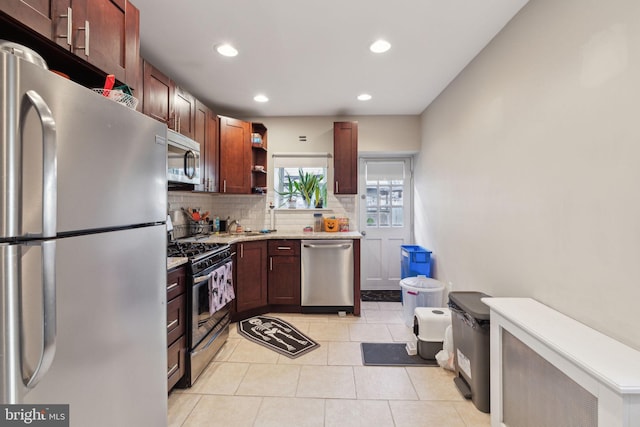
x,y
284,248
86,37
270,263
241,250
172,370
337,188
224,186
172,286
172,324
69,17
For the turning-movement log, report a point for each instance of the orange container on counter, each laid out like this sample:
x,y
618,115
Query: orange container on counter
x,y
330,224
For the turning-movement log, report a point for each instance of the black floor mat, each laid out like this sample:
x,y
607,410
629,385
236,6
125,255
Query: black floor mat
x,y
385,296
277,335
394,354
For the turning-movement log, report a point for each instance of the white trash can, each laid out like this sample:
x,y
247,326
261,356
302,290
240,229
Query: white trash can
x,y
419,291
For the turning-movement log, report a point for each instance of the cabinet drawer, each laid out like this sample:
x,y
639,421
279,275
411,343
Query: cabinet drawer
x,y
175,318
176,282
176,354
284,247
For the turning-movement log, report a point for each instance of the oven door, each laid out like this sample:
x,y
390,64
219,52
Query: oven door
x,y
212,294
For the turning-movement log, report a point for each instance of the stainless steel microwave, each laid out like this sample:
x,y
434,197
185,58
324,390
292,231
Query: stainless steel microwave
x,y
183,159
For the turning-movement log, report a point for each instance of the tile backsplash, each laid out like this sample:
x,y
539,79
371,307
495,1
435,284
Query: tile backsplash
x,y
252,211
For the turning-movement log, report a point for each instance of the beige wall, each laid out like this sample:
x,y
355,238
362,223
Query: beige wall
x,y
375,133
528,179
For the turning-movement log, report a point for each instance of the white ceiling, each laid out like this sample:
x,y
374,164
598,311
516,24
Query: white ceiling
x,y
312,58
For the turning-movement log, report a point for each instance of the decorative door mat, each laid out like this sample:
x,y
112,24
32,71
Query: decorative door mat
x,y
384,296
394,354
277,335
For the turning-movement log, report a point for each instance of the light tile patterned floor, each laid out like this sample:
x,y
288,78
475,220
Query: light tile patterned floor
x,y
249,385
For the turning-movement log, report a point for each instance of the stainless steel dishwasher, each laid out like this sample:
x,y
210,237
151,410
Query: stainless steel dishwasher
x,y
327,276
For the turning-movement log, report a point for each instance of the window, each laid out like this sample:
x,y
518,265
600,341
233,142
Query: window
x,y
300,180
385,202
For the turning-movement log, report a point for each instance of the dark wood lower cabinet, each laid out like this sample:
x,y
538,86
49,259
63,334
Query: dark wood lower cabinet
x,y
267,277
284,272
251,275
176,354
176,325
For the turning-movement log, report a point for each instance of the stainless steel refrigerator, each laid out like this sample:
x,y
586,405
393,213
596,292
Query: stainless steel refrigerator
x,y
82,251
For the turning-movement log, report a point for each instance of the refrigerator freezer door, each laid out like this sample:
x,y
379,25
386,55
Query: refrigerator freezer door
x,y
110,358
111,160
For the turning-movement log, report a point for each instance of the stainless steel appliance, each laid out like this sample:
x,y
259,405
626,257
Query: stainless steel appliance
x,y
183,159
82,258
208,302
327,275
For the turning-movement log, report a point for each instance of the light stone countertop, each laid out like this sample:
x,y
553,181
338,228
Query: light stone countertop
x,y
173,262
247,237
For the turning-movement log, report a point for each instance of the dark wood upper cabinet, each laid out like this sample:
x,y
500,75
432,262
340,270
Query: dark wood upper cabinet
x,y
206,134
211,154
39,15
158,94
132,48
235,156
200,128
185,109
345,157
99,35
104,33
172,105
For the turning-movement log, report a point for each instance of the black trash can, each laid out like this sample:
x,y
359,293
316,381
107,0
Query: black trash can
x,y
470,327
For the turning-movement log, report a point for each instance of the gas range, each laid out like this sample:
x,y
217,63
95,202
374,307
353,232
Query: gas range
x,y
209,298
201,255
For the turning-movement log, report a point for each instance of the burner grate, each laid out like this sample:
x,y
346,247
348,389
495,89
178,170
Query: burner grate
x,y
191,249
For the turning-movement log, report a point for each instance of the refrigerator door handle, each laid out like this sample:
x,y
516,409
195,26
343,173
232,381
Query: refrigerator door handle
x,y
48,315
49,160
49,209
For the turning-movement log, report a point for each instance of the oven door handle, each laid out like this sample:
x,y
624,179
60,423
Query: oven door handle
x,y
205,277
225,322
200,279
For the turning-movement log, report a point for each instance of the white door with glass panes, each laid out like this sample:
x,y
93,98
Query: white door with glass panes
x,y
385,220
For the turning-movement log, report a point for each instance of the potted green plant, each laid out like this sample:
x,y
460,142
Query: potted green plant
x,y
320,194
290,193
307,185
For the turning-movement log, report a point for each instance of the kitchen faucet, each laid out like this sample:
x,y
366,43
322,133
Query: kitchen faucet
x,y
229,224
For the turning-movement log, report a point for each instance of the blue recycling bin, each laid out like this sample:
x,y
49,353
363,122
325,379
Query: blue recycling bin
x,y
415,261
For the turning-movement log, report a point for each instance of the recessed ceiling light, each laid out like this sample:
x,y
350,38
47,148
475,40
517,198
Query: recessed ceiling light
x,y
260,98
380,46
364,97
226,50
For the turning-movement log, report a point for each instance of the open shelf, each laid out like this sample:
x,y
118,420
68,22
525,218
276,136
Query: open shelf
x,y
258,158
